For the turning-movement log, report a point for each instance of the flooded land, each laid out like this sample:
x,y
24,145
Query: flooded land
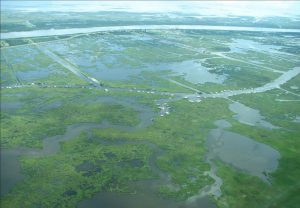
x,y
172,111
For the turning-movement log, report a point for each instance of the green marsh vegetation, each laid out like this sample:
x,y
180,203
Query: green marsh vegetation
x,y
131,141
240,189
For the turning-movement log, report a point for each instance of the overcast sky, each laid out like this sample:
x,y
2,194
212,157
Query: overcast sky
x,y
216,8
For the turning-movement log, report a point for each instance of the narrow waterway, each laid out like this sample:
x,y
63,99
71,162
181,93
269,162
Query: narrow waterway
x,y
276,83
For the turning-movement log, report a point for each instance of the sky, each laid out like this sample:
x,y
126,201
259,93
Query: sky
x,y
210,8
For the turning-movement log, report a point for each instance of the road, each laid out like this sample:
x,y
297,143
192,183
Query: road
x,y
275,84
66,64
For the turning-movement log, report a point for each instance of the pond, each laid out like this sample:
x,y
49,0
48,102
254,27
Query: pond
x,y
249,116
242,46
241,152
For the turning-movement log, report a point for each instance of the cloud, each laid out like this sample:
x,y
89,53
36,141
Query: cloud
x,y
215,8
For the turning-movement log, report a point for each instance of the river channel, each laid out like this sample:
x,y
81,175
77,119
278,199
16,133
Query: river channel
x,y
52,32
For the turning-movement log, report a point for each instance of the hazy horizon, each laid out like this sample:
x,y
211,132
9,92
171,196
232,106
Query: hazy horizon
x,y
201,8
